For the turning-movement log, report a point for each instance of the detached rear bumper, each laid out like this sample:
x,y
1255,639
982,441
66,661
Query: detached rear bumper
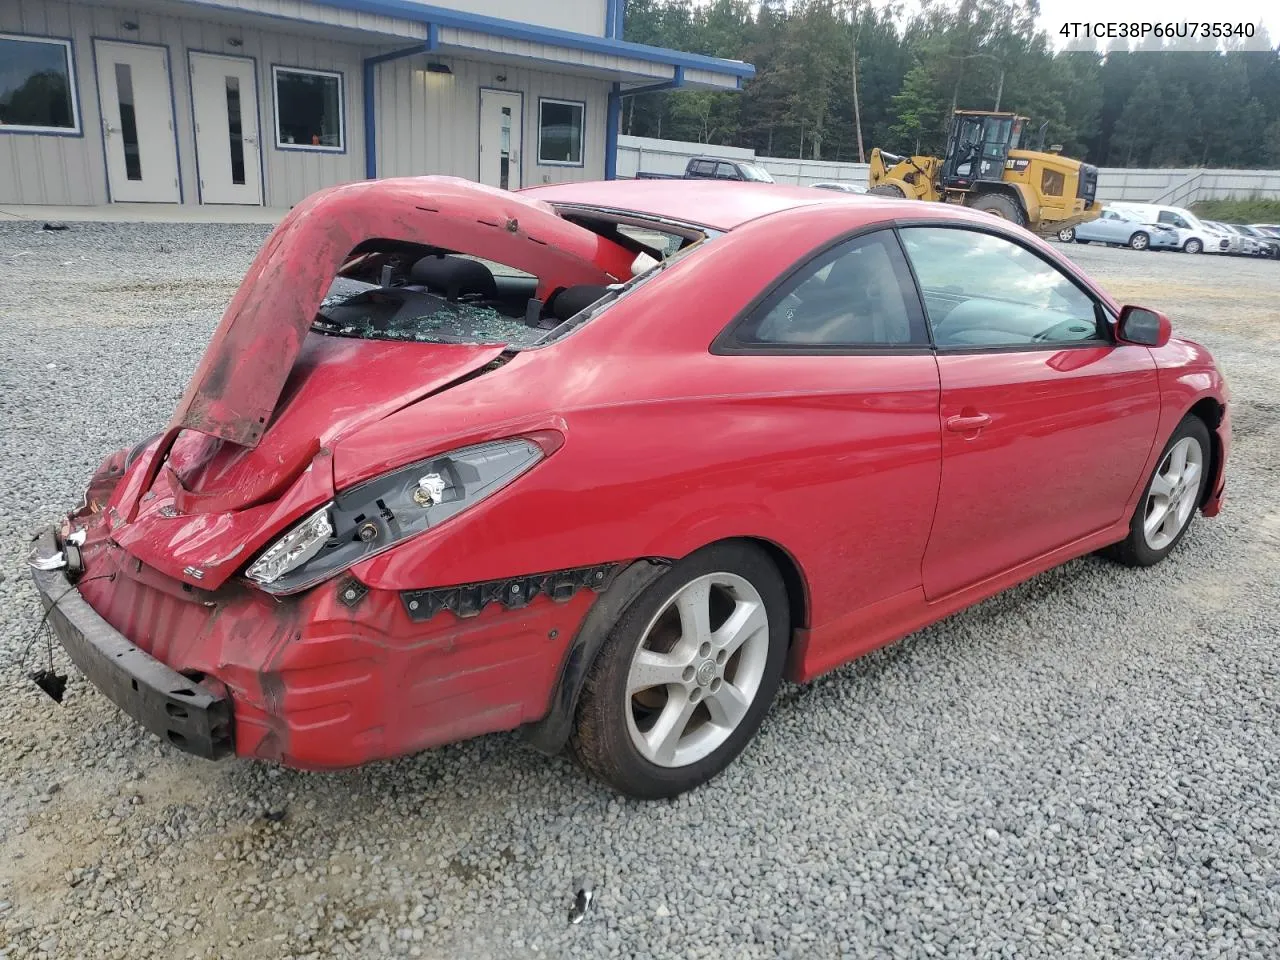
x,y
170,705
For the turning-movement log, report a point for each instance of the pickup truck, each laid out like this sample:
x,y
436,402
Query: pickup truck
x,y
714,168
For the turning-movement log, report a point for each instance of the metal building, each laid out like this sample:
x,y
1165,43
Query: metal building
x,y
265,101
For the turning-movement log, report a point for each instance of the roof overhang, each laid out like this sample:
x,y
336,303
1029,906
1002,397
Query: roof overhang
x,y
468,35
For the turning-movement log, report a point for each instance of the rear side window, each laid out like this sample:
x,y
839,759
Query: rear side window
x,y
981,290
856,295
702,168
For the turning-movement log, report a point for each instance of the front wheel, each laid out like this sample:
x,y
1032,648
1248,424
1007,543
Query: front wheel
x,y
886,190
1192,246
1067,234
1170,499
687,674
999,205
1139,241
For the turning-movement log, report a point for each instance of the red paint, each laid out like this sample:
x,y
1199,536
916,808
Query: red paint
x,y
904,487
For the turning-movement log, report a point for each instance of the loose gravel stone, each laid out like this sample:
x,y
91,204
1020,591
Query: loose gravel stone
x,y
1085,766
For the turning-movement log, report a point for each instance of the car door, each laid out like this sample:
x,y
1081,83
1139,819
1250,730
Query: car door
x,y
839,348
1047,422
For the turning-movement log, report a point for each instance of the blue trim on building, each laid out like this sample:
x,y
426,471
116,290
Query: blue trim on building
x,y
370,80
494,26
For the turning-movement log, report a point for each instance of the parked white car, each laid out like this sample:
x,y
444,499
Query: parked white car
x,y
1193,235
1122,228
1237,243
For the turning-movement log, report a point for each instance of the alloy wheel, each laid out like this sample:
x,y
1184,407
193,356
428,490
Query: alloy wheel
x,y
697,669
1066,235
1171,498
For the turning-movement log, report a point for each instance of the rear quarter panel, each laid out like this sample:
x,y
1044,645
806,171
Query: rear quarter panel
x,y
669,447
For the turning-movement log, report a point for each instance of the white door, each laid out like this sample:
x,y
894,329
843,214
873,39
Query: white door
x,y
137,122
223,95
501,116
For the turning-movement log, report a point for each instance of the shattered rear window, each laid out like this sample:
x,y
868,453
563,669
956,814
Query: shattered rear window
x,y
426,295
389,290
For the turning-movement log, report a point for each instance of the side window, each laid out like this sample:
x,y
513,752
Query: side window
x,y
702,168
726,171
858,294
982,290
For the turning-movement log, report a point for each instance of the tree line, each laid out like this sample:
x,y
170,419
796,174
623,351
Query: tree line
x,y
838,77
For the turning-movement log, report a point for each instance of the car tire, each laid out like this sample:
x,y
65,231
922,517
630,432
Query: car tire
x,y
1067,235
1170,493
886,190
1193,246
1140,241
663,668
999,205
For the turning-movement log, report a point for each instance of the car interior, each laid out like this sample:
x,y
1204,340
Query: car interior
x,y
854,298
404,291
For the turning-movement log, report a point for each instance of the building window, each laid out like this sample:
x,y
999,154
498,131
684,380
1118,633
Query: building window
x,y
308,109
37,86
560,132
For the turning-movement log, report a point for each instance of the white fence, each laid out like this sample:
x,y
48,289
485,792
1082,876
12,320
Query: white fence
x,y
1179,187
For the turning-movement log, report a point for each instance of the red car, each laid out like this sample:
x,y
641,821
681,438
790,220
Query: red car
x,y
606,462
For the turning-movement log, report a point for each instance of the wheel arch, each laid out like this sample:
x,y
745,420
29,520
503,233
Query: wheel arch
x,y
550,733
1210,410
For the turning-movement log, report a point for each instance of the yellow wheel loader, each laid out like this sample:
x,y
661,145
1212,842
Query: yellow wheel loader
x,y
985,168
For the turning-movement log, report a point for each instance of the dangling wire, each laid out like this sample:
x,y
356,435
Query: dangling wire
x,y
43,620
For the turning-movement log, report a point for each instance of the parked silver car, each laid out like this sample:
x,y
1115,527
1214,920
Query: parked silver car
x,y
1119,228
1239,243
1268,240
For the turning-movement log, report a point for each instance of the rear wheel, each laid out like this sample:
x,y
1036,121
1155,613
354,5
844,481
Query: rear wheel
x,y
1170,499
999,205
1192,246
1140,241
886,190
686,676
1067,234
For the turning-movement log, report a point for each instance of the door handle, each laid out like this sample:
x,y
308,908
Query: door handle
x,y
969,423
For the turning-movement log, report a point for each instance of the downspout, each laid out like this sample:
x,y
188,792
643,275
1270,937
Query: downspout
x,y
613,119
370,83
615,12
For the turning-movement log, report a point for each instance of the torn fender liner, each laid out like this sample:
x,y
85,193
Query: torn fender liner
x,y
551,733
243,371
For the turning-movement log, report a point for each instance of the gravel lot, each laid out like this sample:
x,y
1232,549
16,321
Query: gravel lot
x,y
1086,766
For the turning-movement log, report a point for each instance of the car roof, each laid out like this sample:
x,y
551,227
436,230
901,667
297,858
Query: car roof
x,y
723,206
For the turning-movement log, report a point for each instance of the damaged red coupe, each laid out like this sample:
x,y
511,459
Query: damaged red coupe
x,y
606,462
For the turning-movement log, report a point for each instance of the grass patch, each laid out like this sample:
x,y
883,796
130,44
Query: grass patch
x,y
1254,210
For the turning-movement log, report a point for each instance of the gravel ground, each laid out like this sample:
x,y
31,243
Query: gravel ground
x,y
1086,766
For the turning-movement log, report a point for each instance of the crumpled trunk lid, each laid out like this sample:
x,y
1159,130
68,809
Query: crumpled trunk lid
x,y
247,452
211,504
239,379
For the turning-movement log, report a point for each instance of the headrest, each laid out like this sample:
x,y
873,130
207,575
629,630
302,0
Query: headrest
x,y
454,276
